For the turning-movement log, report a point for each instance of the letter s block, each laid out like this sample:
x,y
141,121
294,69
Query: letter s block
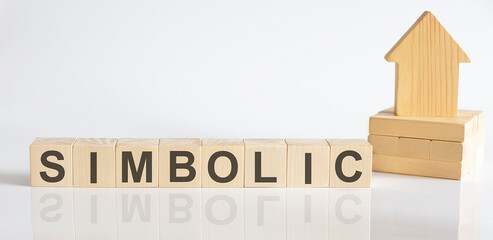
x,y
350,163
51,162
137,162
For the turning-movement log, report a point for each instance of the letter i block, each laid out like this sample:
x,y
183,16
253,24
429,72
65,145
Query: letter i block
x,y
137,162
94,162
179,162
265,162
350,163
51,162
308,163
223,163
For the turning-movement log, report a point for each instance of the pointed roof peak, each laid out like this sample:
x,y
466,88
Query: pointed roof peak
x,y
426,18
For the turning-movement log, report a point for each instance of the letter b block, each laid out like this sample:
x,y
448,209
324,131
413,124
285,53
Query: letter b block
x,y
350,163
94,162
223,163
137,162
51,162
179,162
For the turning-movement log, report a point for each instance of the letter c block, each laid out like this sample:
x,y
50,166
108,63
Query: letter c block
x,y
350,163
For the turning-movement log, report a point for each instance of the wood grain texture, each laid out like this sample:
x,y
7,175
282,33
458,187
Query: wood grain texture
x,y
417,166
43,146
190,145
137,147
272,155
222,164
455,129
350,167
319,155
104,150
412,147
427,70
384,144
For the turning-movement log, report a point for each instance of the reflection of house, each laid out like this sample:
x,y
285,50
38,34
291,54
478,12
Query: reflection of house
x,y
427,70
406,207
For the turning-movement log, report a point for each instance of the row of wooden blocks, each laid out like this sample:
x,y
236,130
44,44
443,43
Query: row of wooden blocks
x,y
192,162
443,147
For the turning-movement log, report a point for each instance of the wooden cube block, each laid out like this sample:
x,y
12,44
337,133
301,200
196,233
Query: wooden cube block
x,y
137,162
417,166
350,163
94,162
223,163
265,162
51,162
308,163
179,162
455,129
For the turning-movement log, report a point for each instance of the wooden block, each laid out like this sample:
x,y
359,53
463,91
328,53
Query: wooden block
x,y
454,151
384,144
308,163
94,162
455,129
417,166
265,162
412,147
406,147
350,163
137,162
223,163
51,162
427,70
179,161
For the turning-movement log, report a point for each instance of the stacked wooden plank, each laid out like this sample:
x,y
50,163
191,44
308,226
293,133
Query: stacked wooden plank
x,y
443,147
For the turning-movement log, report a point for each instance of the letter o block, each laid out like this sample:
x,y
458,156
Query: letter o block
x,y
223,163
137,162
350,163
51,162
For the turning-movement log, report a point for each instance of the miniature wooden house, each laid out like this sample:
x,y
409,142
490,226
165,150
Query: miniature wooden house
x,y
427,70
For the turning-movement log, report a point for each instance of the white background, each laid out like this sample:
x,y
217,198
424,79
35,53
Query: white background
x,y
212,69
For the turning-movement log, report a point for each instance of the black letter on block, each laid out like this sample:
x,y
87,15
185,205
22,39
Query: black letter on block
x,y
145,159
234,166
94,167
55,166
308,168
173,165
258,170
339,172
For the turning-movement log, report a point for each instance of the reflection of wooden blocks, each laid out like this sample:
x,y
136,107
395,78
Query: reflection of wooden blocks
x,y
137,162
94,162
223,163
308,163
350,163
265,163
447,147
179,162
51,162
